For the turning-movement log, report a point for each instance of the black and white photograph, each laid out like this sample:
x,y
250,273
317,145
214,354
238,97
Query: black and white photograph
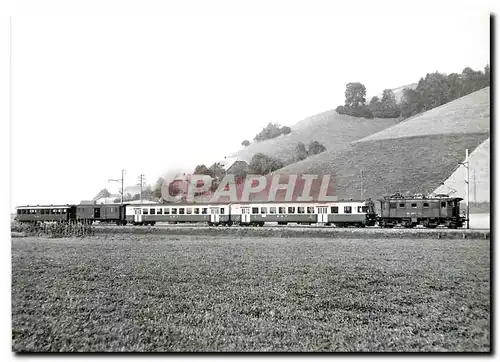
x,y
248,177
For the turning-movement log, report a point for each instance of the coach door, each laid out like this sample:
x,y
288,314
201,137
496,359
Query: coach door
x,y
245,215
322,212
214,214
137,215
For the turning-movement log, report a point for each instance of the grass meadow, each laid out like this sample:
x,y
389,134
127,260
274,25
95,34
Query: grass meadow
x,y
186,293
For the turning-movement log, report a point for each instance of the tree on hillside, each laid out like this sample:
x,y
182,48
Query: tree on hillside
x,y
355,95
272,130
301,151
202,170
286,130
158,186
245,143
388,106
375,106
262,164
410,103
315,147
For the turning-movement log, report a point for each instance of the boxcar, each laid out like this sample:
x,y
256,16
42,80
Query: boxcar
x,y
108,213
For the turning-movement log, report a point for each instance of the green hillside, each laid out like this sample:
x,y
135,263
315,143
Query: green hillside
x,y
415,156
333,130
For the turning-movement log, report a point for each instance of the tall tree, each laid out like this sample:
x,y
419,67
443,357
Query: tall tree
x,y
355,95
388,106
301,151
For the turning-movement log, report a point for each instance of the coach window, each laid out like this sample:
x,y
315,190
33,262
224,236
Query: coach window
x,y
174,211
364,208
204,211
58,211
145,211
196,211
426,204
443,204
334,209
189,211
414,205
310,210
450,204
300,210
347,209
291,210
152,211
181,211
255,210
166,211
222,211
272,210
159,211
402,205
359,210
263,210
282,210
64,211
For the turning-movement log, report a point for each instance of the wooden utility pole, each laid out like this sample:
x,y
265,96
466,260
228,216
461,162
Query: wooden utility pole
x,y
467,185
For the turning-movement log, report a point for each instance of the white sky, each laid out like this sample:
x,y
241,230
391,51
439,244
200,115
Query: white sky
x,y
152,91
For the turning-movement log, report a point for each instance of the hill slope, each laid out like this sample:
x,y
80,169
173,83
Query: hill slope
x,y
415,156
331,129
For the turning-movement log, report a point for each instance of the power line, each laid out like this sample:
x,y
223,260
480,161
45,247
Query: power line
x,y
120,180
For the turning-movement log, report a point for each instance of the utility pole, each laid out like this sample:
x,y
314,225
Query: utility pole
x,y
141,183
467,185
120,180
361,185
474,182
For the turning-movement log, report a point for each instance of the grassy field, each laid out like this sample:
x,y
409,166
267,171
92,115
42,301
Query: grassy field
x,y
151,293
410,165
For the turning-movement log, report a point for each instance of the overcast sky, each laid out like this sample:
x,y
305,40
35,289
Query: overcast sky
x,y
151,92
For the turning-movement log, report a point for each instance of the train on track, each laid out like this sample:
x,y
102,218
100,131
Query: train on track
x,y
395,210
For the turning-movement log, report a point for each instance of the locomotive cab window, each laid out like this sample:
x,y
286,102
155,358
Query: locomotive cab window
x,y
335,209
347,210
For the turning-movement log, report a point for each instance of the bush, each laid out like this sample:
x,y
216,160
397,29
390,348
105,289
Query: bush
x,y
315,147
286,130
245,143
262,164
272,130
